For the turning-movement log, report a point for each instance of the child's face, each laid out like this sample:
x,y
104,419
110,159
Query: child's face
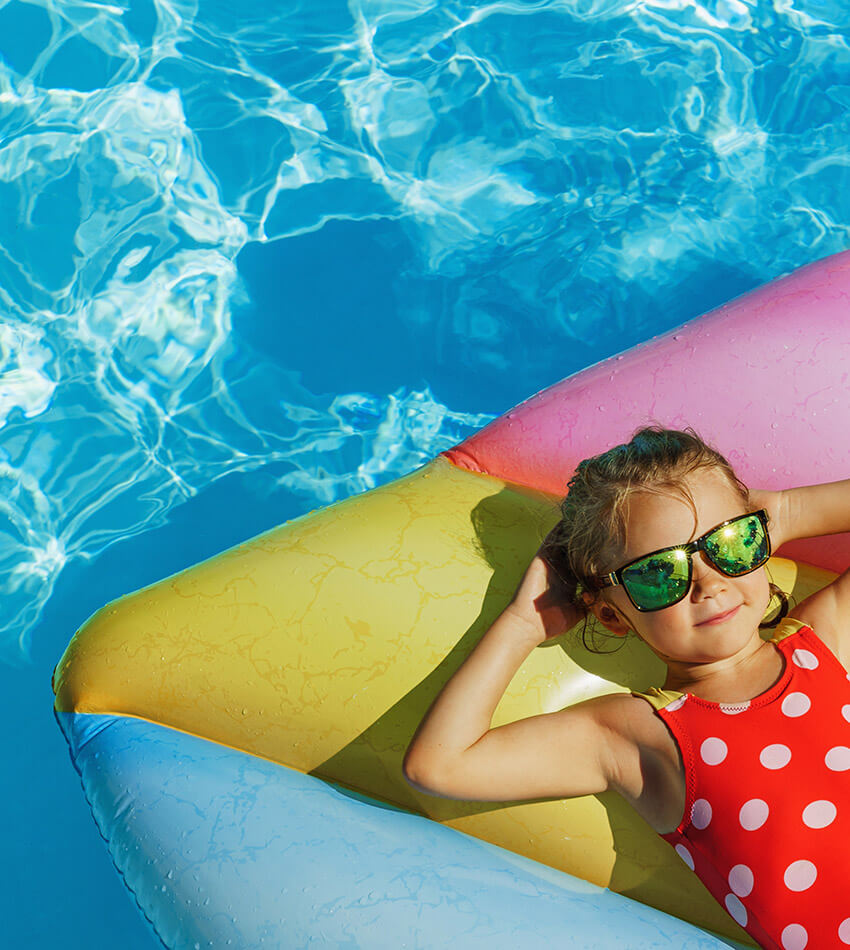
x,y
720,615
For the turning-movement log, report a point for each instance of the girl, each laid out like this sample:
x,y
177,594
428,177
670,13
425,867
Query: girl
x,y
742,759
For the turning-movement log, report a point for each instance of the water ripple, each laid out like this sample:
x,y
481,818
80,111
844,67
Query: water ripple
x,y
568,177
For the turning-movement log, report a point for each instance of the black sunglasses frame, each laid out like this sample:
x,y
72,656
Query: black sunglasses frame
x,y
615,578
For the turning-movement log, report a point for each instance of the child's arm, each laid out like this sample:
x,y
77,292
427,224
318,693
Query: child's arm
x,y
806,512
456,754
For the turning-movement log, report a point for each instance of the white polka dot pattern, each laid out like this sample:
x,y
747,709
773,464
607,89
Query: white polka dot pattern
x,y
819,814
732,709
753,814
676,704
775,756
805,659
685,855
741,880
794,937
796,704
736,909
844,931
838,758
701,814
845,711
800,875
713,751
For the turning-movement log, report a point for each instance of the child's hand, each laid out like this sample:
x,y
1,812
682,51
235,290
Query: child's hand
x,y
540,602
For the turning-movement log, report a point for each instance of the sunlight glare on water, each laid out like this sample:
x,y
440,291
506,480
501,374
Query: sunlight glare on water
x,y
547,183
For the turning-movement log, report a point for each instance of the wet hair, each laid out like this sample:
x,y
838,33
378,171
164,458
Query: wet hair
x,y
590,539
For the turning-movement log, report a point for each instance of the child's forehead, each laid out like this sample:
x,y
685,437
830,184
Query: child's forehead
x,y
656,519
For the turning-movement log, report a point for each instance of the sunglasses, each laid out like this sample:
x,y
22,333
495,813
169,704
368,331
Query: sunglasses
x,y
662,578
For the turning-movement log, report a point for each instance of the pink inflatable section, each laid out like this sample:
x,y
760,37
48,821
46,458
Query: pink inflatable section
x,y
764,378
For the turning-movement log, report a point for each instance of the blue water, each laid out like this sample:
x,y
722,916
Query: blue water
x,y
254,259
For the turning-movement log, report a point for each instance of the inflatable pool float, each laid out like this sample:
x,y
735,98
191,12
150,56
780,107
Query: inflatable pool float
x,y
239,727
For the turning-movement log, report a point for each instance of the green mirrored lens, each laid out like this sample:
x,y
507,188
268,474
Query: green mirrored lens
x,y
738,547
658,580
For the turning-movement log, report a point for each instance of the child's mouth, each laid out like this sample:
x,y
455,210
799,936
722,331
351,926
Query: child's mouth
x,y
719,618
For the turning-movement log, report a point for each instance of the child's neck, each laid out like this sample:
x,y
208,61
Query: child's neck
x,y
754,675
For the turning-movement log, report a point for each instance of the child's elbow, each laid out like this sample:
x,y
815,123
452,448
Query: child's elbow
x,y
420,771
412,769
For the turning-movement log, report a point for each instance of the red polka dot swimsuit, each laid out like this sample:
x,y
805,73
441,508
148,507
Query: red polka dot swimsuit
x,y
767,806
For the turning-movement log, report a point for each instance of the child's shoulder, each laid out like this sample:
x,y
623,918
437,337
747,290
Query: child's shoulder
x,y
821,624
633,723
826,612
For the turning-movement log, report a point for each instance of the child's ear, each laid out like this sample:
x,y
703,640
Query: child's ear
x,y
606,615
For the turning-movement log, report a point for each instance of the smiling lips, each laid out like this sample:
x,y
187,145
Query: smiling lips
x,y
719,618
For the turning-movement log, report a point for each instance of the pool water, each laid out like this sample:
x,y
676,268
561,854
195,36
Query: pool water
x,y
254,260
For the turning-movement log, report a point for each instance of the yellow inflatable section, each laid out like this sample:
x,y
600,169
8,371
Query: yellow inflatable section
x,y
320,645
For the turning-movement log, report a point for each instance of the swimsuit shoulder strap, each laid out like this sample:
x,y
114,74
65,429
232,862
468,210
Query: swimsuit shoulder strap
x,y
786,628
659,698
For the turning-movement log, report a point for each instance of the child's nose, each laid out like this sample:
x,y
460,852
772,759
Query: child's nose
x,y
706,578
